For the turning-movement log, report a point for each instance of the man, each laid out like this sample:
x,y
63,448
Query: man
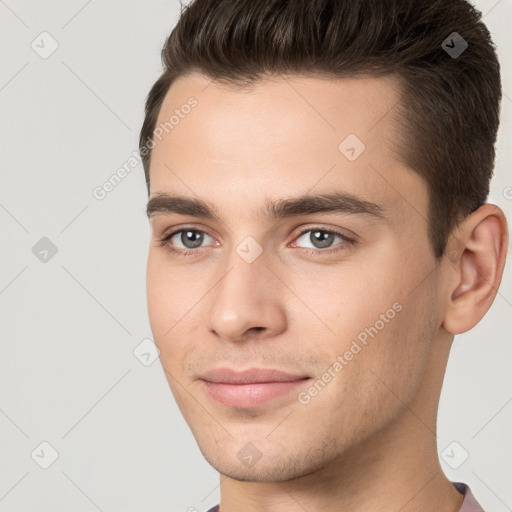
x,y
318,173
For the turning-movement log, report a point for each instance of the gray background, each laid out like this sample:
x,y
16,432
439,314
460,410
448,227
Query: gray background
x,y
69,325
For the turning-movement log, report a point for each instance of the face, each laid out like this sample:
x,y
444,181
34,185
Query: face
x,y
341,297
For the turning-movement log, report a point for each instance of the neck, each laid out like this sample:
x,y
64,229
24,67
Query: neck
x,y
398,469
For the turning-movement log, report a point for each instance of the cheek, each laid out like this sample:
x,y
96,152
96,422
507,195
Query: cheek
x,y
156,298
385,375
171,312
372,307
342,301
396,358
162,290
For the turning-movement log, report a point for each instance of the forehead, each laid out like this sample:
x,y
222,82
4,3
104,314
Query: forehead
x,y
286,136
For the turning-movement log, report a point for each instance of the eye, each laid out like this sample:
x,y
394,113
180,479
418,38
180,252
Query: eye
x,y
322,240
190,238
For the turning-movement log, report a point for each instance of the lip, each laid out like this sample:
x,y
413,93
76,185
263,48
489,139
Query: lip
x,y
249,376
249,388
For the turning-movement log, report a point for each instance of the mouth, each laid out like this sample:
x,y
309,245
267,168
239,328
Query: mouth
x,y
249,388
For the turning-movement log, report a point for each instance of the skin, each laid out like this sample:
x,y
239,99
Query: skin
x,y
367,441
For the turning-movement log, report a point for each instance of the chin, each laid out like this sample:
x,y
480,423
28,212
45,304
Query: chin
x,y
275,467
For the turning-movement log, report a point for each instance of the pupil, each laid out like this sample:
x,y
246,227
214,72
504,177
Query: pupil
x,y
191,237
324,238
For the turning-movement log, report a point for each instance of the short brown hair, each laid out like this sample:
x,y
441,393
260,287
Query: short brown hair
x,y
450,104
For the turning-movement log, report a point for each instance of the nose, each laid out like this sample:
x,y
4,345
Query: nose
x,y
248,302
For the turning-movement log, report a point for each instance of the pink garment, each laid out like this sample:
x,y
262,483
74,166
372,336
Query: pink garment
x,y
469,504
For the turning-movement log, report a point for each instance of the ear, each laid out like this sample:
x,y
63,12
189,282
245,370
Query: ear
x,y
476,255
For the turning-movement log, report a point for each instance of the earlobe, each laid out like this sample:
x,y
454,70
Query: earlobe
x,y
476,266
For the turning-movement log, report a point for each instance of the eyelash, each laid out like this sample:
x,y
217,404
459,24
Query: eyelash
x,y
312,252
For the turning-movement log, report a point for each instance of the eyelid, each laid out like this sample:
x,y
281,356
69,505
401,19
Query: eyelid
x,y
347,233
350,239
176,229
297,232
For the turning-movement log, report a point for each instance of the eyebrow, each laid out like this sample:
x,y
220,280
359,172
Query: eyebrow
x,y
336,202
